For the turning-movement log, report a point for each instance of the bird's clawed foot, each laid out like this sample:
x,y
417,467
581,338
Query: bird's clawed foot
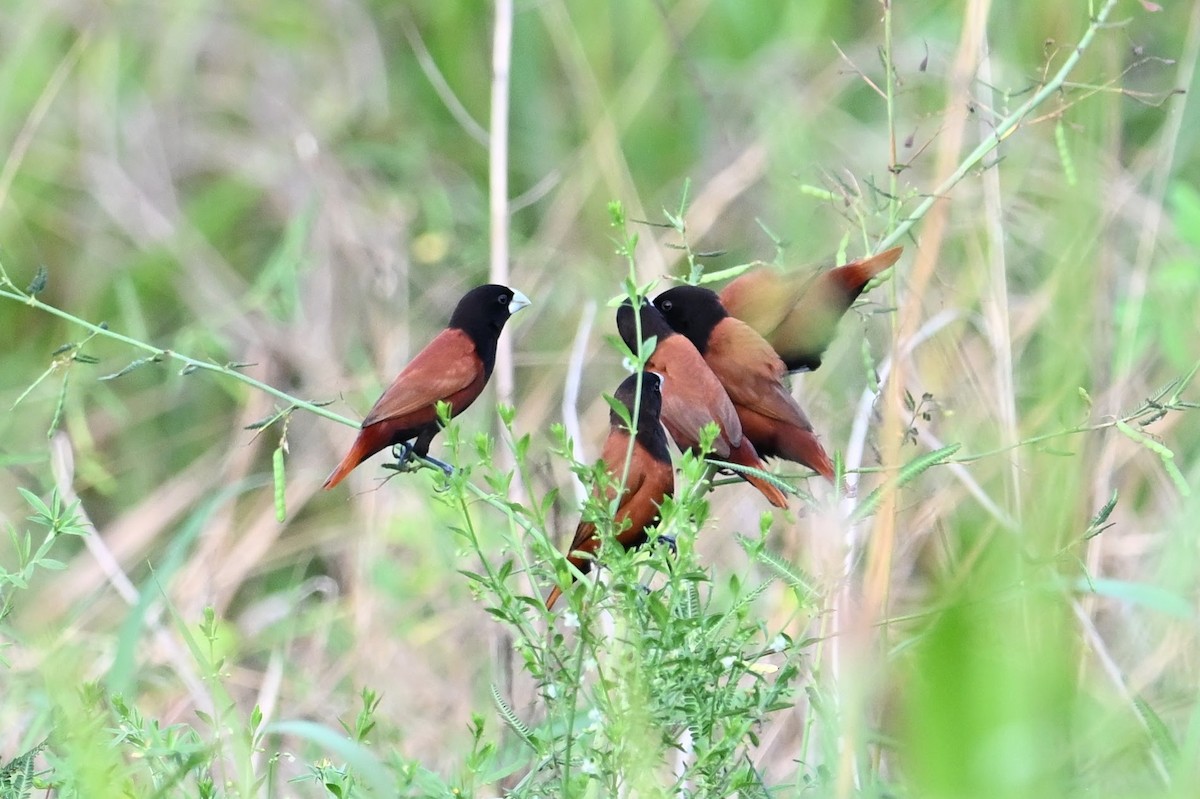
x,y
669,540
405,460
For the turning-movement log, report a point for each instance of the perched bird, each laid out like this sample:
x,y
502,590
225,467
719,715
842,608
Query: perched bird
x,y
692,395
649,480
453,368
798,313
751,373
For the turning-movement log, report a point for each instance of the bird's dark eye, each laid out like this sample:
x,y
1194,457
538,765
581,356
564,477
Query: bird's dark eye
x,y
503,299
666,305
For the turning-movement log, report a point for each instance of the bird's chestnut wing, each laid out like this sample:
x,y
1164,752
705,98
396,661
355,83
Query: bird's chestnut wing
x,y
448,366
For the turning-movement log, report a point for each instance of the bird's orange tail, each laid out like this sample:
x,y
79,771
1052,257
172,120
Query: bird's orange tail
x,y
853,276
360,450
745,455
803,447
584,542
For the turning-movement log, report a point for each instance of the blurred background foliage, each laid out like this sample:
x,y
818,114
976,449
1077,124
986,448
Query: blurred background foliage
x,y
303,188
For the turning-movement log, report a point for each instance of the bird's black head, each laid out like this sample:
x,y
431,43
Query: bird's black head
x,y
650,432
651,402
481,314
653,324
693,311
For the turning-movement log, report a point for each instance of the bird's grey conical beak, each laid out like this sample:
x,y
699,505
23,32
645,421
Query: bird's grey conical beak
x,y
518,302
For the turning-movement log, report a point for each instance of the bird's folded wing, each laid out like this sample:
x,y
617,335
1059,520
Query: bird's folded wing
x,y
693,397
753,375
447,366
763,297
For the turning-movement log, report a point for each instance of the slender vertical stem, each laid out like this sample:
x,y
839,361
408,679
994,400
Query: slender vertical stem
x,y
498,185
880,548
570,400
28,133
890,86
842,652
498,271
995,300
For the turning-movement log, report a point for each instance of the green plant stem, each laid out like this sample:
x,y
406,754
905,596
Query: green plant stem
x,y
101,330
1003,129
572,712
473,536
1129,418
890,89
10,291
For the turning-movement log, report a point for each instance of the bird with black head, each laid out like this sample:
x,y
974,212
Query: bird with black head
x,y
692,394
453,368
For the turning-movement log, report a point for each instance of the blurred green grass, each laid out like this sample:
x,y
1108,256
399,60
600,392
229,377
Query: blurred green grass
x,y
283,185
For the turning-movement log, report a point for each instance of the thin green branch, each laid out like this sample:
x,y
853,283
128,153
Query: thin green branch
x,y
1150,411
890,89
1003,130
12,293
9,290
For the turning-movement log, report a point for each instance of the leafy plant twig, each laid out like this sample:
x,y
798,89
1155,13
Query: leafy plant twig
x,y
1004,128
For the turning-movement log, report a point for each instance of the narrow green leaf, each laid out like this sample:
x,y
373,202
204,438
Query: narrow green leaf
x,y
1165,454
909,472
510,718
33,385
782,568
1181,483
619,408
280,475
616,214
1183,383
818,192
58,407
264,423
43,513
647,349
1160,735
745,599
1144,594
770,477
138,364
1097,524
1064,153
728,273
1157,447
